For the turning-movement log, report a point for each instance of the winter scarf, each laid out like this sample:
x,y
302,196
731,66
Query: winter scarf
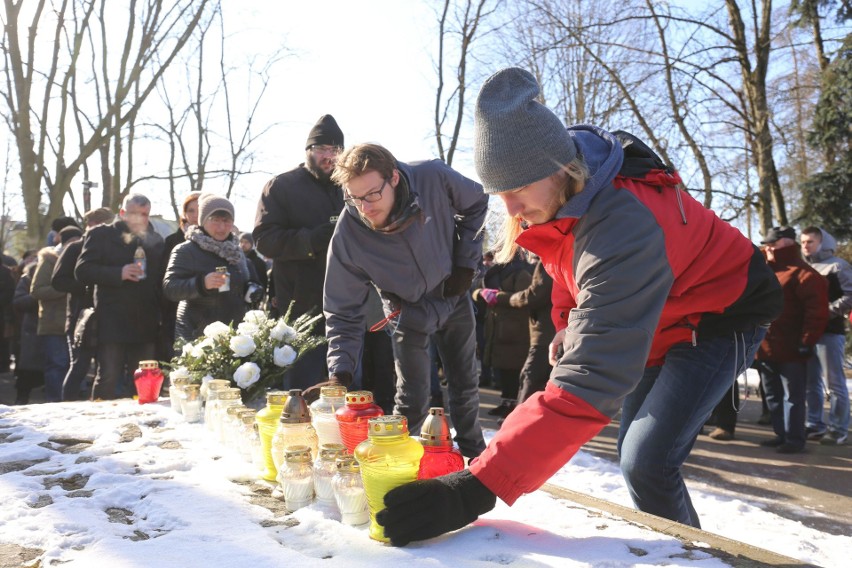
x,y
228,249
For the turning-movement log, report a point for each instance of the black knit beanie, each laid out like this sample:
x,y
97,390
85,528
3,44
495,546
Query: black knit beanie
x,y
325,132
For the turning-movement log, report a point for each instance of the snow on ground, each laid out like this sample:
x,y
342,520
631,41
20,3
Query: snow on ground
x,y
152,489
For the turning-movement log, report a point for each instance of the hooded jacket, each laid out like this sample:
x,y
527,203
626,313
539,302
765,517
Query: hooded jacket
x,y
638,266
51,302
839,275
407,265
805,313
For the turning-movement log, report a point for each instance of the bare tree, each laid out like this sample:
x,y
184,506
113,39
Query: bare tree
x,y
37,103
464,20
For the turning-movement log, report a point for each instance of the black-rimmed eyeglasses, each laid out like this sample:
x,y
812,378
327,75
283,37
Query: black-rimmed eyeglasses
x,y
371,197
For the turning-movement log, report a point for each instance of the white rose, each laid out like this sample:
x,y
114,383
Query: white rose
x,y
242,345
197,351
186,349
284,355
248,328
257,317
246,375
216,329
282,332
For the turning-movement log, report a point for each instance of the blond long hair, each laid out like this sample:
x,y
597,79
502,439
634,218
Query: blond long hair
x,y
574,176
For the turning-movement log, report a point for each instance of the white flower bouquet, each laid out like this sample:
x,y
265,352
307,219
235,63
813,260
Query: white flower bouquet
x,y
253,356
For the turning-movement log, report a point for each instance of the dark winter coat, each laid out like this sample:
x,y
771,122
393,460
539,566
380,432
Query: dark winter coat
x,y
127,312
199,307
291,205
536,299
26,315
79,295
507,337
805,314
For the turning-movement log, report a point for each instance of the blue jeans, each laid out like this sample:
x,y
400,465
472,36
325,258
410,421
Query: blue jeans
x,y
56,361
784,387
662,417
825,372
456,343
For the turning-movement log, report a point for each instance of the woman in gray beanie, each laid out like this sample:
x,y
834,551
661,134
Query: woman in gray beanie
x,y
207,274
658,306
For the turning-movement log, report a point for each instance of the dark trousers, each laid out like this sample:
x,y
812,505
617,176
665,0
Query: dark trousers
x,y
725,413
536,371
309,370
785,385
377,369
116,364
81,360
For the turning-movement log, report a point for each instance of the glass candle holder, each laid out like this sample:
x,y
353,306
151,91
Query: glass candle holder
x,y
354,416
267,422
389,457
190,403
148,379
295,477
325,466
294,428
349,492
322,414
176,387
211,398
440,456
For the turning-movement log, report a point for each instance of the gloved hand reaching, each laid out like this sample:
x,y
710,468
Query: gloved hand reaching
x,y
489,295
342,378
431,507
458,281
320,236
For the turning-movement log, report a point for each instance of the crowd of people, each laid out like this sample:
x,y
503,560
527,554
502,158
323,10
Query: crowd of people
x,y
612,290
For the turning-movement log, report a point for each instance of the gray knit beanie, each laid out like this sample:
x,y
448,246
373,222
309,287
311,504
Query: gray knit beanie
x,y
516,139
210,203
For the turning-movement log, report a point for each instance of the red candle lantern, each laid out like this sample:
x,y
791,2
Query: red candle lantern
x,y
353,416
149,380
440,457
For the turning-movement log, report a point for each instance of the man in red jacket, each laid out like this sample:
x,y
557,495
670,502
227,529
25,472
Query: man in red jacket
x,y
789,343
658,306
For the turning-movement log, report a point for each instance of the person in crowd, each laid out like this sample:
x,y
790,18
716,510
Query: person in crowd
x,y
724,416
80,297
254,259
825,371
507,339
790,341
127,294
194,279
536,299
57,225
188,218
412,232
295,218
485,378
658,306
7,293
52,305
29,363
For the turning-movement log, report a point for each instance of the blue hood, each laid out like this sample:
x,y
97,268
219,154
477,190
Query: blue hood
x,y
603,156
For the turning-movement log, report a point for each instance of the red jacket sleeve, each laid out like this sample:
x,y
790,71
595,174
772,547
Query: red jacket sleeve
x,y
563,303
537,439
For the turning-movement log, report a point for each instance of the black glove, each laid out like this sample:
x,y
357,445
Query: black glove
x,y
320,236
342,378
458,282
430,507
806,350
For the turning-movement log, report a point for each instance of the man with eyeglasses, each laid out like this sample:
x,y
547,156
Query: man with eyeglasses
x,y
295,219
412,232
